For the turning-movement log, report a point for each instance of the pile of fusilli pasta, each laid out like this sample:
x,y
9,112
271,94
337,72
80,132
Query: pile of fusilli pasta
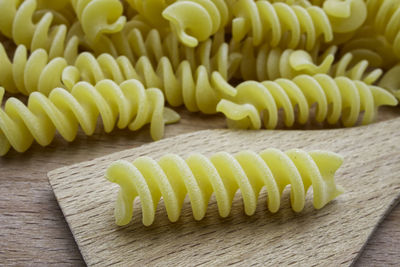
x,y
125,60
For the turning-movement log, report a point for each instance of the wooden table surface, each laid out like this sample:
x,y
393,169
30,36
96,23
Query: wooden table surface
x,y
32,227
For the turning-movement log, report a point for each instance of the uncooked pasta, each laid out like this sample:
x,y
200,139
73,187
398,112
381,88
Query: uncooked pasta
x,y
336,99
172,178
128,105
256,62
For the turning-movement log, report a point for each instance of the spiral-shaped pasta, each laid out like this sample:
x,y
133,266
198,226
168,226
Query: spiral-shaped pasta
x,y
198,88
172,178
335,99
99,17
385,16
29,74
194,21
151,10
304,3
369,45
354,66
266,63
345,15
213,53
391,81
270,22
128,103
290,24
16,22
62,12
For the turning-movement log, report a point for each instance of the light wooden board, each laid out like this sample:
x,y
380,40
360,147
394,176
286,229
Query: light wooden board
x,y
334,235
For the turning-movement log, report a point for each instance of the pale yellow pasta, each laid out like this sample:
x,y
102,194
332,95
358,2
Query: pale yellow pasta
x,y
336,99
369,45
172,178
266,63
64,16
197,90
123,42
194,21
385,16
211,54
16,22
267,22
272,22
99,17
135,43
54,5
186,83
126,105
391,81
152,10
356,69
345,15
61,9
30,74
269,63
305,3
354,65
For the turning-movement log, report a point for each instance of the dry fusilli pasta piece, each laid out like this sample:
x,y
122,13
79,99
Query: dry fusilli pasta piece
x,y
172,178
151,10
355,65
335,98
30,74
127,105
99,17
369,45
197,89
385,16
35,73
17,22
391,81
274,21
269,63
194,21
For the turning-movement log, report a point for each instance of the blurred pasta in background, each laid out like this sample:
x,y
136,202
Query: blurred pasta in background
x,y
256,62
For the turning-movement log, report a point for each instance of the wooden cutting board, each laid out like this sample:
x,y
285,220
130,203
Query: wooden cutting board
x,y
334,235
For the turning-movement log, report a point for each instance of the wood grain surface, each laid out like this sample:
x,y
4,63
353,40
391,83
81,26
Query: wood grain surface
x,y
333,236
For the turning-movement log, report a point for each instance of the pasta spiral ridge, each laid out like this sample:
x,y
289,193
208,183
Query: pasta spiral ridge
x,y
271,22
270,63
374,48
345,15
274,21
127,105
385,16
172,178
194,21
266,63
30,74
335,98
184,84
391,81
61,9
198,90
151,10
355,67
98,17
16,22
213,53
